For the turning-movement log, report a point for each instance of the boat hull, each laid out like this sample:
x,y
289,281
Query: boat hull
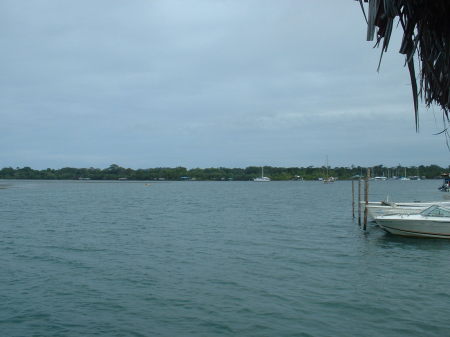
x,y
262,179
418,228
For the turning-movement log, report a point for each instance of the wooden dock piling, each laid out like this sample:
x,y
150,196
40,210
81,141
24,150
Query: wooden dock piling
x,y
359,202
366,197
353,199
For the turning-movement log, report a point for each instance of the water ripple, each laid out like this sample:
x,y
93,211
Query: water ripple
x,y
211,259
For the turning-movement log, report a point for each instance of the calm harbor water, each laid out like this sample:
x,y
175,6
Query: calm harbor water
x,y
214,259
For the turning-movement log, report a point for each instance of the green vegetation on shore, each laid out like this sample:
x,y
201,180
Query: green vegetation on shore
x,y
115,172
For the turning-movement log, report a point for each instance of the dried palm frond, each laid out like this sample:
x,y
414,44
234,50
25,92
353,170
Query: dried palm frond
x,y
426,34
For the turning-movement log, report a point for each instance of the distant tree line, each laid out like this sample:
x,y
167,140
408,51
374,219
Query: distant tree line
x,y
116,172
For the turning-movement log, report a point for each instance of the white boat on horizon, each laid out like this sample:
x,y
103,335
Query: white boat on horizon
x,y
328,179
433,222
262,178
405,177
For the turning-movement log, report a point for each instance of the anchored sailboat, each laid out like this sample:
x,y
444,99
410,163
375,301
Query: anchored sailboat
x,y
262,178
328,179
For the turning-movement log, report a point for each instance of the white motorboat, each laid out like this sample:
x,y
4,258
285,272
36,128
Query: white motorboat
x,y
408,204
376,209
433,222
262,178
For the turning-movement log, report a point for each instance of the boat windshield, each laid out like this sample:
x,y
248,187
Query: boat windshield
x,y
436,211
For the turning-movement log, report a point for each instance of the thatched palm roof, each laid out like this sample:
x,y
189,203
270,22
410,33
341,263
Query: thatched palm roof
x,y
426,34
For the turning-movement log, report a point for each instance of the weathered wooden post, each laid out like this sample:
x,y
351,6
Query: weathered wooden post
x,y
359,202
366,198
353,198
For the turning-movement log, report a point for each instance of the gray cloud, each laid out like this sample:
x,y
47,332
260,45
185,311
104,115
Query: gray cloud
x,y
202,83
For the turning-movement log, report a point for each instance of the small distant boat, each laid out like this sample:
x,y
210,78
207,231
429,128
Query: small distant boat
x,y
405,177
328,179
433,222
262,178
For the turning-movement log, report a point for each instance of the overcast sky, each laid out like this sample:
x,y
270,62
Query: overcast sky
x,y
204,83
